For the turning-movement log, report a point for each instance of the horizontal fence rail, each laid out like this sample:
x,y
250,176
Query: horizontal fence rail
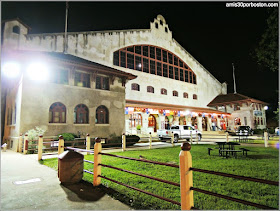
x,y
140,190
232,199
141,160
142,175
236,176
77,149
89,172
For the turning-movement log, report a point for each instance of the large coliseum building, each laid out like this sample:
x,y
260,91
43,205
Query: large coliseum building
x,y
164,84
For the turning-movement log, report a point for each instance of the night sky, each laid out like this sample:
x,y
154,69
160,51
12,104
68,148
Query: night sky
x,y
216,36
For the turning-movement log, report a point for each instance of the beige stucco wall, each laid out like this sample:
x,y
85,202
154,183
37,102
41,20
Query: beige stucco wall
x,y
99,47
39,96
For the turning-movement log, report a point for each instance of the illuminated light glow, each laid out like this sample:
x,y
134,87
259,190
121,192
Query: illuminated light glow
x,y
11,69
187,112
38,71
265,108
130,109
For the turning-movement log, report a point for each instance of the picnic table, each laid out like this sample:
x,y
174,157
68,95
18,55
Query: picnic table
x,y
227,148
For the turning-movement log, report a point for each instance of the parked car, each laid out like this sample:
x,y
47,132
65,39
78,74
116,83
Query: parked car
x,y
180,131
277,131
244,130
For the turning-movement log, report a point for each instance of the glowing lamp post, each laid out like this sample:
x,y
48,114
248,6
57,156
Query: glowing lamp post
x,y
265,108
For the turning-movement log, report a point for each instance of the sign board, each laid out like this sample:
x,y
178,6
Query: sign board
x,y
257,113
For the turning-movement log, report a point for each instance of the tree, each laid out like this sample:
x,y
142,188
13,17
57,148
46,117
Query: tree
x,y
266,53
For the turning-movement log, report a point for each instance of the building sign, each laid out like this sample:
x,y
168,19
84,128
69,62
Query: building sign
x,y
257,113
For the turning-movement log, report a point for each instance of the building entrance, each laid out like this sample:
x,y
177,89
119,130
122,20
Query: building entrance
x,y
152,122
204,123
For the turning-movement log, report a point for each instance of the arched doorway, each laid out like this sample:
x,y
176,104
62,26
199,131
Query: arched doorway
x,y
194,121
166,123
152,122
204,123
237,122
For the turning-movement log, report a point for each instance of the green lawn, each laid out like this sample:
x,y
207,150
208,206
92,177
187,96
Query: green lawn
x,y
261,163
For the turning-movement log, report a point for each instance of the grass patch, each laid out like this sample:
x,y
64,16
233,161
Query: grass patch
x,y
261,163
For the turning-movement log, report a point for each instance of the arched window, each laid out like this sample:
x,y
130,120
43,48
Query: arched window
x,y
57,113
150,89
16,29
175,93
156,25
195,97
185,95
102,115
154,60
135,119
163,91
81,114
135,87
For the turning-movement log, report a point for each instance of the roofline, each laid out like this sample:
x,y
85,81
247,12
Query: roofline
x,y
145,104
19,20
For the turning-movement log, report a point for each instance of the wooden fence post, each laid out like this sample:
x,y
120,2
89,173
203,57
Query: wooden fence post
x,y
20,143
60,145
123,142
150,140
191,136
265,139
97,160
25,144
226,136
172,139
186,177
88,143
40,147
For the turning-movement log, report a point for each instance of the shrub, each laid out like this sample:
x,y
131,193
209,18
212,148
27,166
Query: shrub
x,y
33,135
113,139
138,127
68,137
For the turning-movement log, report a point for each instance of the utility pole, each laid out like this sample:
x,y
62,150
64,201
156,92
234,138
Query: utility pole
x,y
234,84
65,32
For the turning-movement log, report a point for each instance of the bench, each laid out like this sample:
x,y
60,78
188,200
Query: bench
x,y
209,150
227,151
244,150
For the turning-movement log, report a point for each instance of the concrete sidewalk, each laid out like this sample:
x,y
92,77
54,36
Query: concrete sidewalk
x,y
45,192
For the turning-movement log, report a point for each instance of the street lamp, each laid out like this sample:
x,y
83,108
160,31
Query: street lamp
x,y
265,109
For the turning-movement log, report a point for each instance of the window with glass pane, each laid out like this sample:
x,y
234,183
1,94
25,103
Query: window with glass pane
x,y
175,60
130,49
60,76
170,58
159,69
194,78
164,56
176,74
152,67
181,75
145,51
158,51
102,83
116,58
57,113
135,119
175,93
186,76
181,63
135,87
82,79
138,50
165,72
171,75
185,95
145,65
81,114
195,97
123,59
102,115
163,91
130,61
138,63
191,77
150,89
152,52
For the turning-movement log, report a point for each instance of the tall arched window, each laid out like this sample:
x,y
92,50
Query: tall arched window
x,y
57,113
135,87
102,115
154,60
135,119
81,114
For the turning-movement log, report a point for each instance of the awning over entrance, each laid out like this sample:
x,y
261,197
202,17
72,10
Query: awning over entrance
x,y
163,106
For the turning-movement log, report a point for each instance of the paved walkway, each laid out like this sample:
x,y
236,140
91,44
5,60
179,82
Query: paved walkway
x,y
44,191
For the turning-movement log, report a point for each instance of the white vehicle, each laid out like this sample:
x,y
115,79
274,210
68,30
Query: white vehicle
x,y
180,131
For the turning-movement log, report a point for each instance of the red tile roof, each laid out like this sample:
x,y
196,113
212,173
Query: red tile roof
x,y
232,98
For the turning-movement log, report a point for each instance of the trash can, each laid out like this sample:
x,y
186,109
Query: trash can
x,y
70,167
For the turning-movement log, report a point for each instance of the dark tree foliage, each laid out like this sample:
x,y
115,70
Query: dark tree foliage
x,y
267,52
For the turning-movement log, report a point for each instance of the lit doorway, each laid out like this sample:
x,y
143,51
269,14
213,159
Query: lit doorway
x,y
152,122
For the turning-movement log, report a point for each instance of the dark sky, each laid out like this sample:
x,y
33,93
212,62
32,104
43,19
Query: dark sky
x,y
215,35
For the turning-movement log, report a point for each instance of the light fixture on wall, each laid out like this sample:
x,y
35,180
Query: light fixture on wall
x,y
11,69
265,108
38,71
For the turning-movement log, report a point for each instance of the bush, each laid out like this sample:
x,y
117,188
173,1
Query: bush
x,y
68,137
113,139
33,135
